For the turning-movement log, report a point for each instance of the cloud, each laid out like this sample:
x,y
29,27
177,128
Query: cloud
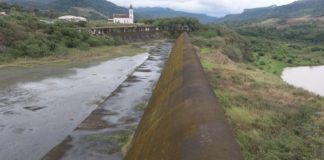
x,y
210,7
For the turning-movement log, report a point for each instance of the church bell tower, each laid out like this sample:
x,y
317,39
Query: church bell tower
x,y
131,13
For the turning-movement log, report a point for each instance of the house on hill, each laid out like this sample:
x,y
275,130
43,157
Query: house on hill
x,y
69,18
3,13
125,18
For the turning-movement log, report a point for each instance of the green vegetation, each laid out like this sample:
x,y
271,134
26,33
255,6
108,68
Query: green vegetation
x,y
76,55
141,107
91,9
265,49
271,120
282,44
225,40
305,32
118,140
296,9
23,35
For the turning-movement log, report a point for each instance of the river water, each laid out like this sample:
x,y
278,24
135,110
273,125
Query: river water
x,y
308,78
98,137
39,107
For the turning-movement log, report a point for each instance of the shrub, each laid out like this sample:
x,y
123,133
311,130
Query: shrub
x,y
23,34
261,54
275,57
72,43
233,53
315,49
262,63
33,47
94,42
83,46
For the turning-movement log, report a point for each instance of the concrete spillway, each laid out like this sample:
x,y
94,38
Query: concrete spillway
x,y
183,120
97,136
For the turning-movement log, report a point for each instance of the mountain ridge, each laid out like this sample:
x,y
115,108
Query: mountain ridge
x,y
160,12
296,9
101,9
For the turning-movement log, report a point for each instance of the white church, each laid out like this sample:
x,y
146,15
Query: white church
x,y
126,18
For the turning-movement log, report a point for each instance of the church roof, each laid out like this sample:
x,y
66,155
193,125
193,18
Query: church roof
x,y
120,15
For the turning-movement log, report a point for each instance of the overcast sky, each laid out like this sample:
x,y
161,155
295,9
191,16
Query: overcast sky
x,y
210,7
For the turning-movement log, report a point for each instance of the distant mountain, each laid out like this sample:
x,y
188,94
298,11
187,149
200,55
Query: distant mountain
x,y
159,12
296,9
102,6
28,3
101,9
93,9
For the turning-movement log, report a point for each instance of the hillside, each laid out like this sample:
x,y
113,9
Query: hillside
x,y
270,119
98,8
23,34
29,3
159,12
296,9
92,9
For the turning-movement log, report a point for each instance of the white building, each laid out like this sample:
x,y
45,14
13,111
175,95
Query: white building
x,y
3,13
70,18
126,18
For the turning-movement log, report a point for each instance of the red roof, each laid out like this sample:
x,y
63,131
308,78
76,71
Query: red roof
x,y
120,15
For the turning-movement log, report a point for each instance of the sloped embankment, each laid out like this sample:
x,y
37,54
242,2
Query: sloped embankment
x,y
183,119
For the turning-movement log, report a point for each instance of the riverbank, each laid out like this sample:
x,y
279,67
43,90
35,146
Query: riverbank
x,y
271,119
81,56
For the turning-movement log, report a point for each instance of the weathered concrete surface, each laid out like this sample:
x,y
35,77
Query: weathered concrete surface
x,y
183,120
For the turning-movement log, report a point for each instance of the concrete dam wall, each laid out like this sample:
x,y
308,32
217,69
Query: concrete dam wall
x,y
183,120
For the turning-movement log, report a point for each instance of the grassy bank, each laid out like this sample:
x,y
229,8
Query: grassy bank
x,y
270,55
271,120
25,36
79,56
